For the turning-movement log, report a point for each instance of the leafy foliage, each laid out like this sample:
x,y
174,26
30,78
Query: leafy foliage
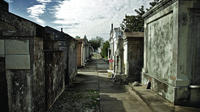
x,y
96,42
135,23
140,11
152,4
78,37
104,50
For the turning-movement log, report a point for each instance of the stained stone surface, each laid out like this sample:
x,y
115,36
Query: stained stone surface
x,y
1,48
18,62
17,47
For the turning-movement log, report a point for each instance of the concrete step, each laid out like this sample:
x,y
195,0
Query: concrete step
x,y
155,102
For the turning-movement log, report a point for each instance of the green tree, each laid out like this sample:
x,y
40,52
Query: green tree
x,y
134,23
140,11
104,50
78,37
152,4
96,42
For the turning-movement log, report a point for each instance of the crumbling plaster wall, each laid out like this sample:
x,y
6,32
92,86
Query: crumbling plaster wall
x,y
189,27
38,78
135,58
55,80
188,55
171,41
160,50
161,44
22,48
72,59
18,33
15,25
55,56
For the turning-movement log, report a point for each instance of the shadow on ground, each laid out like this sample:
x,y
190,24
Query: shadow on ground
x,y
84,94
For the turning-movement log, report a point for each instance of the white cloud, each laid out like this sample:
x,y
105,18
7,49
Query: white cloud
x,y
94,16
43,1
37,10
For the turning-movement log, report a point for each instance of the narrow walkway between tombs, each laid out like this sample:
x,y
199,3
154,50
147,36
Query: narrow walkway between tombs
x,y
94,91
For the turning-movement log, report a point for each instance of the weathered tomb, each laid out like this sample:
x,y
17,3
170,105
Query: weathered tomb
x,y
133,55
21,53
33,63
171,56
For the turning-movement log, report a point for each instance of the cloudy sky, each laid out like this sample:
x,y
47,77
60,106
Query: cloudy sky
x,y
77,17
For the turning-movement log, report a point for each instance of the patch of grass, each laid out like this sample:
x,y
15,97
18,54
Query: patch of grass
x,y
94,100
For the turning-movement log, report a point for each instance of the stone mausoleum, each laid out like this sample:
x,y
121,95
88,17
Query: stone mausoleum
x,y
133,43
36,63
171,50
